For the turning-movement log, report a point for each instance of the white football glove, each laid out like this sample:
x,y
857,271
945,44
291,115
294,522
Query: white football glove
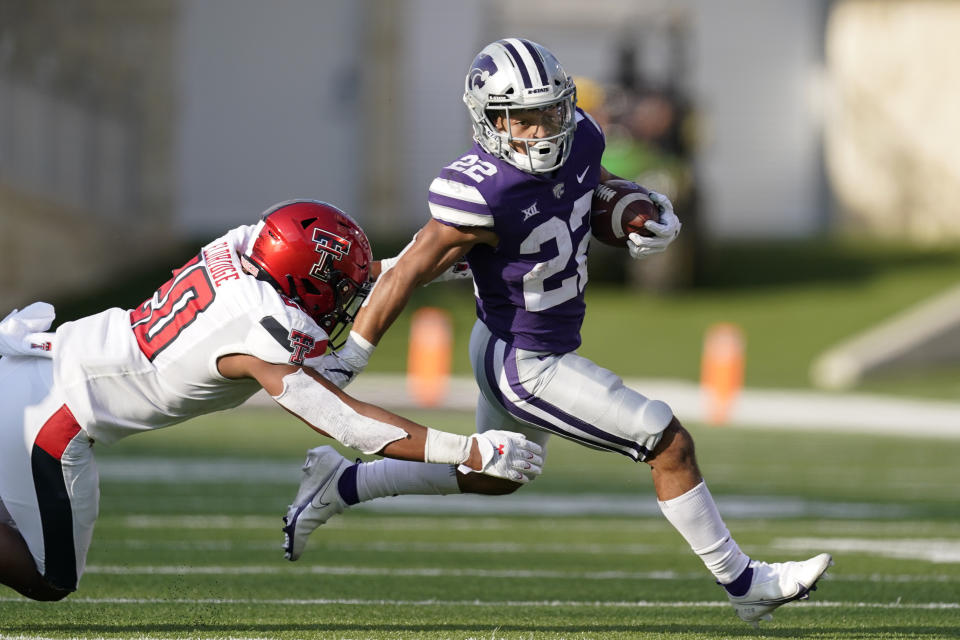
x,y
509,455
456,271
665,231
341,366
22,332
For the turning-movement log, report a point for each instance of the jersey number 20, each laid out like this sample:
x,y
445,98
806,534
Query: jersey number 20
x,y
159,320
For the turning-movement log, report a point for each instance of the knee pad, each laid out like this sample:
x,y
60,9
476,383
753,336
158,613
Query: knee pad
x,y
642,419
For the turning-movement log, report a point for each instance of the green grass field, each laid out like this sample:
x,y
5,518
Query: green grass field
x,y
187,545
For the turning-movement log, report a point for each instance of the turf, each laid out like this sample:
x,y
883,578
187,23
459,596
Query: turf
x,y
187,545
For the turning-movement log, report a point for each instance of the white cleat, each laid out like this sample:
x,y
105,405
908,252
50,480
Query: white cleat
x,y
777,584
317,499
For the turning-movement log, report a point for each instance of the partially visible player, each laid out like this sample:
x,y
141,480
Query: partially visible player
x,y
517,207
254,309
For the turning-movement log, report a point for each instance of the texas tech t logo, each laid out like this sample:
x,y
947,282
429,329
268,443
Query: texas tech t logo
x,y
301,344
331,243
328,244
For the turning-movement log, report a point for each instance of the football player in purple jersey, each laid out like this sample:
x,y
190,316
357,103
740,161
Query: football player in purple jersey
x,y
516,208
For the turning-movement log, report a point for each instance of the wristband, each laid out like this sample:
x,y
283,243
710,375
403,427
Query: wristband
x,y
356,351
445,448
388,263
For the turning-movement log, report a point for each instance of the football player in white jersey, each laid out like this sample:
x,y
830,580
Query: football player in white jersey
x,y
516,207
254,309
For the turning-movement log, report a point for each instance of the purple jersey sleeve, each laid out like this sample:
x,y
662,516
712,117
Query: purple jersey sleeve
x,y
530,286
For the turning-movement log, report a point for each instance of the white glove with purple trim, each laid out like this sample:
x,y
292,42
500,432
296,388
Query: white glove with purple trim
x,y
509,455
665,231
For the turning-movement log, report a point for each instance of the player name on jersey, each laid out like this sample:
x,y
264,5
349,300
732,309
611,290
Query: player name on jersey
x,y
220,263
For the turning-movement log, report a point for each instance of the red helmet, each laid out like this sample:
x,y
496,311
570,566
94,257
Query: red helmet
x,y
316,255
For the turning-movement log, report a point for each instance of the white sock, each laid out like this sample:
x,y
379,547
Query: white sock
x,y
389,477
695,516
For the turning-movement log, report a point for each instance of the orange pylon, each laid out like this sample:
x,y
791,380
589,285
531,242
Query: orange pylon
x,y
722,369
429,356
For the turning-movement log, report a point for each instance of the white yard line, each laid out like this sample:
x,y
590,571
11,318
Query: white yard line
x,y
441,572
421,522
404,547
422,572
934,550
625,604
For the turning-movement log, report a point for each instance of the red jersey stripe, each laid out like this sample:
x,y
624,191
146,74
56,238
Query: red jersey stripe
x,y
57,432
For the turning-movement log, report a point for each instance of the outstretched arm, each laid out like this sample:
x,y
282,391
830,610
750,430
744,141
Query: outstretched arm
x,y
436,248
372,429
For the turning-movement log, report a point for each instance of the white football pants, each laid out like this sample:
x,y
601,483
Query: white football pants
x,y
49,485
539,394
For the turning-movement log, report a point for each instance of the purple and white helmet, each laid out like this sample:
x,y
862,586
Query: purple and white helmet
x,y
512,74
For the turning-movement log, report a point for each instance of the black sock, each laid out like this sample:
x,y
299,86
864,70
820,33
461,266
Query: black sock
x,y
347,486
742,584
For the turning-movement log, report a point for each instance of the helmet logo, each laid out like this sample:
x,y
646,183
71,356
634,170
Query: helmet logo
x,y
483,68
328,244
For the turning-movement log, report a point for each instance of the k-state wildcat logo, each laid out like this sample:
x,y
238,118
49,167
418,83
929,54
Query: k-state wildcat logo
x,y
483,67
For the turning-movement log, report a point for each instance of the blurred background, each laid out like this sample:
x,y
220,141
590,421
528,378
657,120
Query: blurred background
x,y
809,147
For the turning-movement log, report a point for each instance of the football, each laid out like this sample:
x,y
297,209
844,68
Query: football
x,y
620,207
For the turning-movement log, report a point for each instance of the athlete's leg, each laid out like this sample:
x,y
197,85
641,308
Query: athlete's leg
x,y
490,417
48,484
18,570
686,502
673,463
567,395
341,484
755,588
330,484
586,403
388,477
